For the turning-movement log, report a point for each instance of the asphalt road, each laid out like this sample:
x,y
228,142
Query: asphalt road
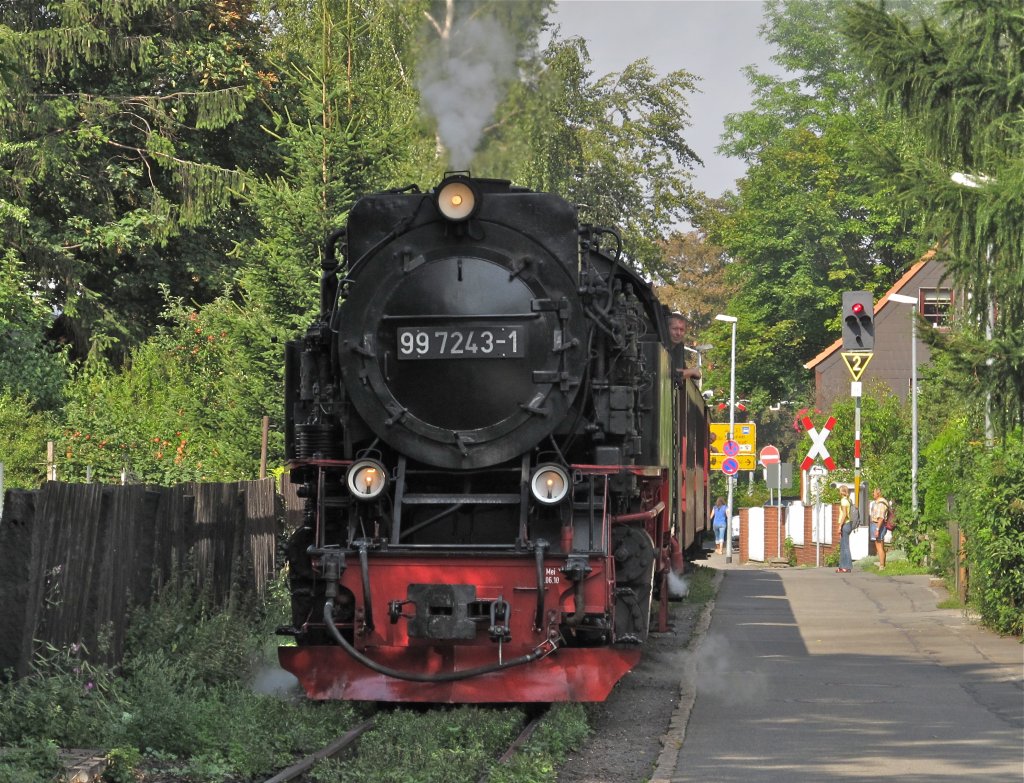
x,y
810,675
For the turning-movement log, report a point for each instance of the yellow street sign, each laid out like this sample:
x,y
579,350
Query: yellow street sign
x,y
745,435
745,461
857,362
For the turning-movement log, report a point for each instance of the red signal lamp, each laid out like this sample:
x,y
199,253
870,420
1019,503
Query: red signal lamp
x,y
857,308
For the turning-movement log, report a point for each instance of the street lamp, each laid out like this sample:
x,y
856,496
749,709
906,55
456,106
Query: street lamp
x,y
730,319
699,350
912,301
977,182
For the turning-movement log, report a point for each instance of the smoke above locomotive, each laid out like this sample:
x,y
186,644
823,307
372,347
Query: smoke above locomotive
x,y
462,79
499,467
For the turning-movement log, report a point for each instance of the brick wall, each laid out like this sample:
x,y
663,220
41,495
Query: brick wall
x,y
806,553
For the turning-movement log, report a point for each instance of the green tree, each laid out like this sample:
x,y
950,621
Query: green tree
x,y
187,406
348,123
811,218
29,366
24,432
124,126
957,77
615,144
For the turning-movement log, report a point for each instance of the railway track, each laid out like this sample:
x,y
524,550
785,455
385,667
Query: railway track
x,y
342,743
518,742
348,740
87,766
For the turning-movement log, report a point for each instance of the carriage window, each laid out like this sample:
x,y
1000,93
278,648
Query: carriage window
x,y
936,305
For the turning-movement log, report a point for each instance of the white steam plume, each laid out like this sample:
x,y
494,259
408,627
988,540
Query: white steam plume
x,y
719,676
462,81
678,586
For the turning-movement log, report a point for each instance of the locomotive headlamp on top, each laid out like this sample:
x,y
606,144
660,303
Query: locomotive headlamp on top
x,y
457,198
550,484
367,479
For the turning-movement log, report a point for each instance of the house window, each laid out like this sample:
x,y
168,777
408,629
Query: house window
x,y
936,305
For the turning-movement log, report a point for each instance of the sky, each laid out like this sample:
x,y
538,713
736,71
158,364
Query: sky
x,y
713,39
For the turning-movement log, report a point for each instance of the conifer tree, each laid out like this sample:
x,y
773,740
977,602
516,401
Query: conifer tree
x,y
958,79
122,135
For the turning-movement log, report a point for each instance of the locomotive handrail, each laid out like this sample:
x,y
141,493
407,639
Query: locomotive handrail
x,y
640,516
498,499
447,317
364,568
611,470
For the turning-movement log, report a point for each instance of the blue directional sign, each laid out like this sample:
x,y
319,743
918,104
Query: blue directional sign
x,y
730,466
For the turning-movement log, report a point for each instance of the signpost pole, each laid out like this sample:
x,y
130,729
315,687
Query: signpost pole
x,y
730,319
732,436
855,391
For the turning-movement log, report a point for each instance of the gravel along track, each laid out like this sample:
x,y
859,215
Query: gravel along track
x,y
630,728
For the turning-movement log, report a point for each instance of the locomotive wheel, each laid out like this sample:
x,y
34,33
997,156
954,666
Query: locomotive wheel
x,y
634,583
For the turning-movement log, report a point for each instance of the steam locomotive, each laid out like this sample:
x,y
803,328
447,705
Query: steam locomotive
x,y
499,469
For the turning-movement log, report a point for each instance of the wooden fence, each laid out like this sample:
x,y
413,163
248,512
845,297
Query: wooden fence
x,y
77,557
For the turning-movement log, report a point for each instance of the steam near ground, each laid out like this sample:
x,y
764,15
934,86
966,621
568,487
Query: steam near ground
x,y
719,677
275,682
678,587
461,82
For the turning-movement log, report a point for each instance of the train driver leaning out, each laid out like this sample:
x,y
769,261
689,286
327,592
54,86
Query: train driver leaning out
x,y
677,326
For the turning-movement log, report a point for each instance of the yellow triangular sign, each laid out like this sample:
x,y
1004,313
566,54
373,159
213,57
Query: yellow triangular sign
x,y
857,362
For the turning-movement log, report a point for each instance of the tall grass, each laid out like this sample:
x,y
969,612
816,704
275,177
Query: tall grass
x,y
182,697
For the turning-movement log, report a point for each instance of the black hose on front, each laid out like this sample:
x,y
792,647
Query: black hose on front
x,y
400,675
541,582
581,609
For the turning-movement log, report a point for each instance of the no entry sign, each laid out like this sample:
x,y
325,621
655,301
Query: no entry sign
x,y
769,455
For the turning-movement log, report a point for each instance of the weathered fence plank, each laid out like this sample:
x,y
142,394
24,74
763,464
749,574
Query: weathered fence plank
x,y
78,557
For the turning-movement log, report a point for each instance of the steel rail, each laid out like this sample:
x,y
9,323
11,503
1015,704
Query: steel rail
x,y
518,742
335,747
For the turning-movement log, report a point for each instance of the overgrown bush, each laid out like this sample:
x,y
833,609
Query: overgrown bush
x,y
187,632
992,519
23,435
186,408
31,762
981,488
64,700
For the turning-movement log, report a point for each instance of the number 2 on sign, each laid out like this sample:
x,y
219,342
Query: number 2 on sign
x,y
857,362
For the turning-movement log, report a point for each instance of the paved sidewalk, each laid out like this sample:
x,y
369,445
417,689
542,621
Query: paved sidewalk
x,y
810,675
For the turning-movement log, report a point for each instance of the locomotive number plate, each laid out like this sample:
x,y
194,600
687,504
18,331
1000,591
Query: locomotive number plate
x,y
490,342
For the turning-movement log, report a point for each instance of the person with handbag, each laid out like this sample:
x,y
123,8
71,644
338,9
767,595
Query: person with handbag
x,y
880,516
845,528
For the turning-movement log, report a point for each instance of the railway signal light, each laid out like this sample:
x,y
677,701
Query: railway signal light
x,y
858,321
